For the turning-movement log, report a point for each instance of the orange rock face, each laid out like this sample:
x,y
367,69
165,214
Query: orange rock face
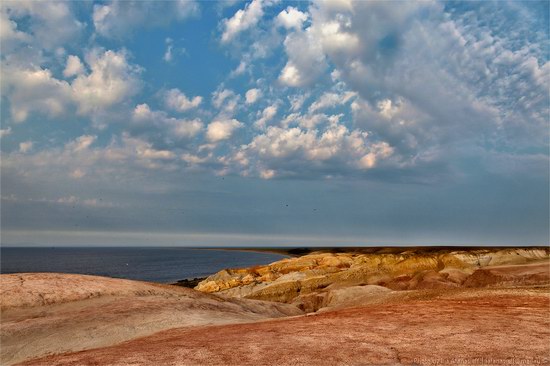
x,y
308,280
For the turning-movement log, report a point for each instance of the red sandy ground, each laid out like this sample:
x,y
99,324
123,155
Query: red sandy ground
x,y
475,328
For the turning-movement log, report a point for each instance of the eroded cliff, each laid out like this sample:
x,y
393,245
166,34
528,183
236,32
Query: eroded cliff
x,y
315,280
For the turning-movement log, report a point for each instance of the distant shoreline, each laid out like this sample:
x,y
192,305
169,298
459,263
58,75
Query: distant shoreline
x,y
162,265
300,251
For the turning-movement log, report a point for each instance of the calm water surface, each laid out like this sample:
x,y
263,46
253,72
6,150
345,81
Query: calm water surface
x,y
149,264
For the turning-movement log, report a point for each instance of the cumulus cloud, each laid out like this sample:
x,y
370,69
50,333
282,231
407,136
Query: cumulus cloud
x,y
252,95
50,24
222,130
145,119
308,121
81,143
401,61
333,151
242,20
5,132
112,80
297,101
34,91
31,89
306,59
267,115
354,89
73,67
331,100
10,36
225,100
379,150
116,19
366,74
177,101
240,69
291,18
25,147
168,53
125,155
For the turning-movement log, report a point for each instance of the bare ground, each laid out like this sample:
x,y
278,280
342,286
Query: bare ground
x,y
499,316
52,313
466,326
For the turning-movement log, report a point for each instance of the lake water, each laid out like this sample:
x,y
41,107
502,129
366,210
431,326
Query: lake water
x,y
163,265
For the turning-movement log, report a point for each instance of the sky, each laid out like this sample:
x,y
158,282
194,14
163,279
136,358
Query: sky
x,y
274,123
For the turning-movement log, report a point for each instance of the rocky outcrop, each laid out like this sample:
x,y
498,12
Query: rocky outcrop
x,y
311,280
519,275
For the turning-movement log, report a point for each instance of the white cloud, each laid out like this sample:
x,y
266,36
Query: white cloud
x,y
390,70
297,101
401,62
34,91
291,18
5,132
252,95
49,24
336,150
9,35
242,20
331,100
187,128
267,115
407,128
81,143
176,100
25,147
290,75
240,69
225,100
311,121
195,159
118,165
117,19
168,53
222,130
112,80
73,67
306,60
149,153
380,150
170,127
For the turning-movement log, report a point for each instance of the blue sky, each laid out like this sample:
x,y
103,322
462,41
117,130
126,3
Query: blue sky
x,y
275,123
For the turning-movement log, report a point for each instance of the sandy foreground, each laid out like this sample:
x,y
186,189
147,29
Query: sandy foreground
x,y
499,316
